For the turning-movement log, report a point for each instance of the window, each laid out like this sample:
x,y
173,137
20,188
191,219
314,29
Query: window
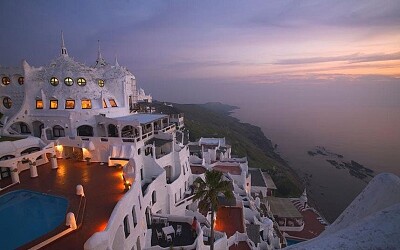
x,y
127,230
53,104
24,129
138,151
69,104
112,102
21,80
154,197
6,80
68,81
140,203
100,82
58,131
141,174
54,81
39,104
81,81
134,216
86,104
104,104
7,102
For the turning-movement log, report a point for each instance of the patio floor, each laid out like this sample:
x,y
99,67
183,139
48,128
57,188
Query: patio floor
x,y
103,188
186,238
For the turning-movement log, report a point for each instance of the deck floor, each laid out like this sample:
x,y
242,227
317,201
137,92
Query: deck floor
x,y
103,188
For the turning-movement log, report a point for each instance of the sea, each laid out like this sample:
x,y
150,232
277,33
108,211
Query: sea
x,y
344,122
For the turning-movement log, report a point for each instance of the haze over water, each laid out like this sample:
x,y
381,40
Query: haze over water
x,y
361,122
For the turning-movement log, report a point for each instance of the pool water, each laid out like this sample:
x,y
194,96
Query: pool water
x,y
26,215
293,241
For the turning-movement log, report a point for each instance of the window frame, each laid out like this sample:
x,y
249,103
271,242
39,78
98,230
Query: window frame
x,y
7,104
53,101
100,82
21,80
90,102
112,102
37,101
81,81
5,80
68,81
69,100
54,81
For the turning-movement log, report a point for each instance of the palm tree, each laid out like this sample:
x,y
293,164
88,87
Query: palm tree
x,y
206,192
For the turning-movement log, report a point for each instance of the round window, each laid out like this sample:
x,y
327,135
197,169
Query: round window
x,y
21,80
6,80
81,81
54,81
7,102
100,82
68,81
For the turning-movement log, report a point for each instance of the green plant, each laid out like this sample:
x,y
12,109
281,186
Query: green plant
x,y
206,192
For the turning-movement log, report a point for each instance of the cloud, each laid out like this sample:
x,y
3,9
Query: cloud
x,y
351,58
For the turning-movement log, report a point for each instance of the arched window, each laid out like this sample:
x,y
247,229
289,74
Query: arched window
x,y
68,81
81,81
7,102
104,104
85,130
30,150
112,130
128,131
21,80
154,197
6,80
112,102
100,82
54,81
58,131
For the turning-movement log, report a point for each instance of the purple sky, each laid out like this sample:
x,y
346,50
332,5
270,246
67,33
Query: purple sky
x,y
175,46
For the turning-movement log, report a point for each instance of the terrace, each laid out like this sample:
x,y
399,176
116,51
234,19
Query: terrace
x,y
186,238
103,188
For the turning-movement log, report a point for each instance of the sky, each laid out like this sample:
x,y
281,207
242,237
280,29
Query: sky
x,y
175,47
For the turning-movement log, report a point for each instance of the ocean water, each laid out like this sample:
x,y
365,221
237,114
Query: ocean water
x,y
360,122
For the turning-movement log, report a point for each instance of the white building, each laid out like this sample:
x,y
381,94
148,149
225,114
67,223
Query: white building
x,y
86,113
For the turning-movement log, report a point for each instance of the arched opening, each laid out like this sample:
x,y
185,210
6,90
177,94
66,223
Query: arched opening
x,y
21,128
30,150
154,197
37,128
85,130
168,172
129,131
5,172
138,243
148,216
112,130
58,131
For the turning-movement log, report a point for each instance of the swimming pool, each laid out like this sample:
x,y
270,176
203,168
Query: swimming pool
x,y
26,215
293,241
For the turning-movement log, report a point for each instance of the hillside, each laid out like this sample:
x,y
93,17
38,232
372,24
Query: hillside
x,y
214,120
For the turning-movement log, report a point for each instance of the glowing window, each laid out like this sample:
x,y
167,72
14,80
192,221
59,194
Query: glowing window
x,y
69,104
86,104
53,104
54,81
68,81
112,102
6,80
39,104
81,81
21,80
100,82
7,102
104,104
